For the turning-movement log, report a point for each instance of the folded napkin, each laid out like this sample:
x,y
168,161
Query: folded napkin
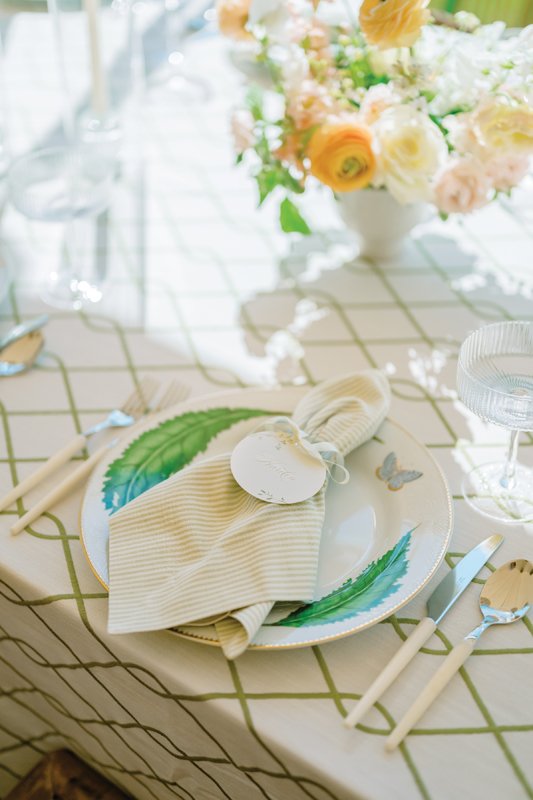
x,y
198,548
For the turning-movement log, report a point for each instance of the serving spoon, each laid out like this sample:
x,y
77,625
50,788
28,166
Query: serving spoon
x,y
505,598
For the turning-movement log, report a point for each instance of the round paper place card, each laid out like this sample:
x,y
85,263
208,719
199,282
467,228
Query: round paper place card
x,y
274,468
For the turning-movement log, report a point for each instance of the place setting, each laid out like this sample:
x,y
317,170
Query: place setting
x,y
277,519
266,400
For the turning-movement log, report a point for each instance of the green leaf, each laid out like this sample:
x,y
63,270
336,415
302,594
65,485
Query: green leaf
x,y
291,220
254,101
262,148
289,181
275,174
377,581
160,452
267,180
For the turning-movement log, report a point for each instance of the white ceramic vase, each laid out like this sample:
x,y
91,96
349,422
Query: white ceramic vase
x,y
380,222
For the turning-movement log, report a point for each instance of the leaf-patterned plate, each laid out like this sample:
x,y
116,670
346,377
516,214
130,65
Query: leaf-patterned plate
x,y
385,532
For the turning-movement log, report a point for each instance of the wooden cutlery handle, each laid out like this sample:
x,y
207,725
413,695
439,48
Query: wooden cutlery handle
x,y
55,461
441,678
60,491
398,662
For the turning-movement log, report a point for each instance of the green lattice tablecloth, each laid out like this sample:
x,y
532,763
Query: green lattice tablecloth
x,y
202,287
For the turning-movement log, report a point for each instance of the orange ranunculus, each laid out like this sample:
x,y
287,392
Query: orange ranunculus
x,y
232,16
341,156
393,23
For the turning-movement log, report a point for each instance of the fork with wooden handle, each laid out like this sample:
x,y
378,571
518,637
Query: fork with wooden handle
x,y
174,393
122,417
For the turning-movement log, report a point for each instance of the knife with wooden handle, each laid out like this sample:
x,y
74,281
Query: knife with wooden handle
x,y
447,592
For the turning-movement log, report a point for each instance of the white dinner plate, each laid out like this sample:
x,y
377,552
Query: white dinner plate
x,y
385,532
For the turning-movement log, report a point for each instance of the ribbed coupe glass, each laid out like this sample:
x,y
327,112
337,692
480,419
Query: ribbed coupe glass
x,y
495,381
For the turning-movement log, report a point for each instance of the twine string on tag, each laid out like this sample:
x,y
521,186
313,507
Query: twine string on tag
x,y
325,452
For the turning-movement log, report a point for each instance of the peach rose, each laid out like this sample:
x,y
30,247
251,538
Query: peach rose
x,y
232,16
462,187
506,171
341,156
393,23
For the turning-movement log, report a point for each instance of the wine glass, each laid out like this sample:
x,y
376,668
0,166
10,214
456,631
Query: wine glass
x,y
495,381
180,19
69,185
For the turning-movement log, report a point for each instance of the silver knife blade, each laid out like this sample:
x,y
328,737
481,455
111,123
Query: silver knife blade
x,y
453,585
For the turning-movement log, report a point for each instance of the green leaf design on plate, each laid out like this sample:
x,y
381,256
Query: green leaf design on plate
x,y
377,581
160,452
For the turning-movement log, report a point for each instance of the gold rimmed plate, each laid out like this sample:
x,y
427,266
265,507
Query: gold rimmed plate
x,y
385,532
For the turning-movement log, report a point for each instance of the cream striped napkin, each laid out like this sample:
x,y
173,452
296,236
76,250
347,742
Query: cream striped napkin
x,y
197,547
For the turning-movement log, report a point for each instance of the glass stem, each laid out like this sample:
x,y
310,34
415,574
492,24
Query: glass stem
x,y
173,9
67,114
508,476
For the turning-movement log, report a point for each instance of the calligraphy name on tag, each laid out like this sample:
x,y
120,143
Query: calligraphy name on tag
x,y
272,467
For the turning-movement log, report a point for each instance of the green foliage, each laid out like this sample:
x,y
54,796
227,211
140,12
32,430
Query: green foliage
x,y
378,580
160,452
291,220
357,69
254,101
275,174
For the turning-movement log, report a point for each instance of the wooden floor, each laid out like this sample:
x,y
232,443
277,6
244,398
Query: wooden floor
x,y
63,776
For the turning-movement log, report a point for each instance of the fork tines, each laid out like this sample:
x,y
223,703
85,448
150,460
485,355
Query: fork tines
x,y
174,393
139,400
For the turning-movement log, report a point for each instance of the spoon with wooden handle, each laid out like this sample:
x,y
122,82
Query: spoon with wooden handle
x,y
505,597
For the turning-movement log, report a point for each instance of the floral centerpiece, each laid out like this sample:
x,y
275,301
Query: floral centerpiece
x,y
433,108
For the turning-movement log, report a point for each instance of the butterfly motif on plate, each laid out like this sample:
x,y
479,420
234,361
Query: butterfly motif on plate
x,y
393,475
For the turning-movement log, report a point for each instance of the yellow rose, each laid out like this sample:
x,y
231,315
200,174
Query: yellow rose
x,y
393,23
341,156
232,16
504,127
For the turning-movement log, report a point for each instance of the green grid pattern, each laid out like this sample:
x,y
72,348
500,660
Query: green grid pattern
x,y
203,295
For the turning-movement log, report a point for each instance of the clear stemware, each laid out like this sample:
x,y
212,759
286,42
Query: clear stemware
x,y
173,80
64,185
495,381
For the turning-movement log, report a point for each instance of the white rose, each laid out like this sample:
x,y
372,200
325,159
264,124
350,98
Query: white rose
x,y
410,149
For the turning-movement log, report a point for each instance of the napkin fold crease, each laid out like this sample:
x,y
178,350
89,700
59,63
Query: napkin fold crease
x,y
198,547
